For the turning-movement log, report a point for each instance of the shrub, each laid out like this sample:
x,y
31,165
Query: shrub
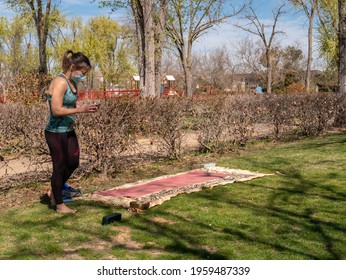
x,y
295,88
313,113
28,88
210,124
225,122
278,110
109,138
340,110
242,114
107,135
22,128
167,120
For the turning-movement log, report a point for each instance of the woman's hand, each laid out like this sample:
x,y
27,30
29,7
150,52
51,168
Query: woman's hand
x,y
88,108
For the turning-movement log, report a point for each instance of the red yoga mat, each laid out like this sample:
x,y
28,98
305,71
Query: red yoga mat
x,y
177,181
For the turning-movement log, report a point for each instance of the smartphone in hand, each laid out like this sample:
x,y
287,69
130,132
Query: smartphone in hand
x,y
94,107
96,104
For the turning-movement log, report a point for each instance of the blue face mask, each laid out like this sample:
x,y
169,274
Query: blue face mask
x,y
79,78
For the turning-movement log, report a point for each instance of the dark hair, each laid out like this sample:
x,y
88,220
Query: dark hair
x,y
78,59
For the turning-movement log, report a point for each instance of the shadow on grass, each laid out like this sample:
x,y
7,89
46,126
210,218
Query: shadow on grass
x,y
182,244
281,203
301,214
56,236
288,216
187,244
304,214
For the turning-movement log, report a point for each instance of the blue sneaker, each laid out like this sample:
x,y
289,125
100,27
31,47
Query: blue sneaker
x,y
68,192
66,187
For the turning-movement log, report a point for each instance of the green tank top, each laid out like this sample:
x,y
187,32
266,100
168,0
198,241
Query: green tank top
x,y
64,123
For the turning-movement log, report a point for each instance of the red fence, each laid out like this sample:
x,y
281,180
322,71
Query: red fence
x,y
104,94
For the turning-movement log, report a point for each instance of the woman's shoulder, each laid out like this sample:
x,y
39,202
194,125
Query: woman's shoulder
x,y
59,80
58,83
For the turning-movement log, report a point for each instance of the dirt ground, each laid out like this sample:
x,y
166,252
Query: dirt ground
x,y
12,166
20,165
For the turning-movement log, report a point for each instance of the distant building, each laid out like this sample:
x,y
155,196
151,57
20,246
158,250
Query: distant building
x,y
168,85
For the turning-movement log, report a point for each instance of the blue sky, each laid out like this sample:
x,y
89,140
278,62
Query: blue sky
x,y
291,23
83,8
226,35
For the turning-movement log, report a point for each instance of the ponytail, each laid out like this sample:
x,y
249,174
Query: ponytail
x,y
66,60
78,59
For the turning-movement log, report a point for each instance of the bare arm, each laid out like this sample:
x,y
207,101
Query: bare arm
x,y
57,90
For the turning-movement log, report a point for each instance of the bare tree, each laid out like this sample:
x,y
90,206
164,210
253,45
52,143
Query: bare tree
x,y
216,68
291,66
310,9
256,27
249,55
42,13
143,16
188,21
149,18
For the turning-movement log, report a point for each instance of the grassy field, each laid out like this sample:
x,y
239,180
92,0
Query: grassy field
x,y
298,213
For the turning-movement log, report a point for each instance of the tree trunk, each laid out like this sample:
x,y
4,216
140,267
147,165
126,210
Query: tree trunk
x,y
42,50
149,53
149,45
137,11
43,56
41,22
188,79
342,46
159,41
269,71
188,71
308,67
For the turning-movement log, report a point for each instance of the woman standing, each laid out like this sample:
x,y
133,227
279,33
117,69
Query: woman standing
x,y
59,132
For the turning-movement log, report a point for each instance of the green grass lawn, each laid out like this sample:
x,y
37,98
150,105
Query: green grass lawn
x,y
298,213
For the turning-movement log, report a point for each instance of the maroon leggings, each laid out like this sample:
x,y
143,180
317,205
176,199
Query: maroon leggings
x,y
64,150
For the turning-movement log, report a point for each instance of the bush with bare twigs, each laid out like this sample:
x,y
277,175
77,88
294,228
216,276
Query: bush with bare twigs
x,y
278,112
242,113
225,122
107,135
110,138
167,120
313,113
27,88
22,137
340,110
210,124
21,128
